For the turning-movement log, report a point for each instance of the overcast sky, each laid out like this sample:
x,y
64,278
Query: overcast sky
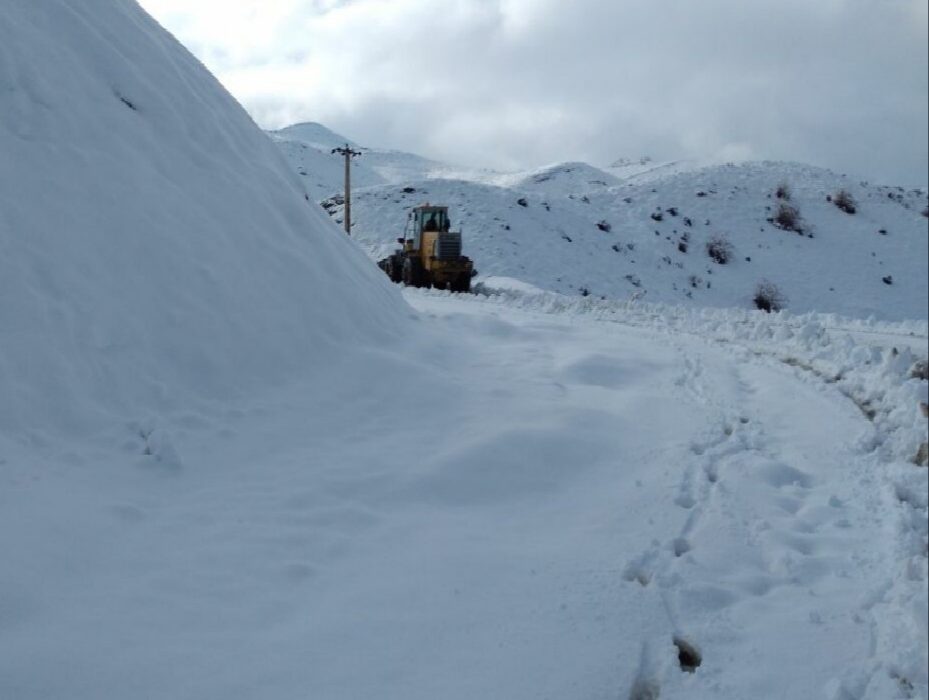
x,y
518,83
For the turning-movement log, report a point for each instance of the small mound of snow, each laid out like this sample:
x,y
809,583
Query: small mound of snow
x,y
495,284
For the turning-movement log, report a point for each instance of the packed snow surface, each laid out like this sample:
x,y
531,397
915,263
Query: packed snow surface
x,y
551,496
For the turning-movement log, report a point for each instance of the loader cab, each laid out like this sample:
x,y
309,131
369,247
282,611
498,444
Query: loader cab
x,y
426,219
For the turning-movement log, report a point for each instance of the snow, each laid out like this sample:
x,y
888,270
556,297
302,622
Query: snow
x,y
308,147
643,230
601,483
235,462
156,248
559,180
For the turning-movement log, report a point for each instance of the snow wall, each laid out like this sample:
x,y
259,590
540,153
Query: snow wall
x,y
155,247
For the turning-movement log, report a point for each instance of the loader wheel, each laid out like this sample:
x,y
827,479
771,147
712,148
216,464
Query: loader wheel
x,y
410,274
462,284
394,269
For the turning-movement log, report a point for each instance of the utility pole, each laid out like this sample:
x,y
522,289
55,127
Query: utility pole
x,y
349,154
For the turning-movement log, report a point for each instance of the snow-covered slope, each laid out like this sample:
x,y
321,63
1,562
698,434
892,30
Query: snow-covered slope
x,y
314,135
308,147
323,172
560,180
640,228
649,235
156,247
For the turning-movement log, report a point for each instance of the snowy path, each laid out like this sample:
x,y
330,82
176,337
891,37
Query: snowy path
x,y
535,507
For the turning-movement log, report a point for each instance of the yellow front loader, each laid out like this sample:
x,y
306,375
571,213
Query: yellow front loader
x,y
430,253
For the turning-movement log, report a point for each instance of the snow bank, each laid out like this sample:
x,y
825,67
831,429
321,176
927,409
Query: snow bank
x,y
871,362
880,368
156,248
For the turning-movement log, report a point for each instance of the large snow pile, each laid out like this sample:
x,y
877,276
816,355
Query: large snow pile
x,y
156,247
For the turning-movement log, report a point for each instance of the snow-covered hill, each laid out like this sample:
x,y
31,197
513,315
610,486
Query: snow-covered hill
x,y
643,229
308,147
156,247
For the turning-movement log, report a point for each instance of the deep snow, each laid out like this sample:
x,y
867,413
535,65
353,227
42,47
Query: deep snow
x,y
561,494
236,463
156,248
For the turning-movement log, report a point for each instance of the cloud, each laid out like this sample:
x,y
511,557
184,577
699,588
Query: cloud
x,y
841,83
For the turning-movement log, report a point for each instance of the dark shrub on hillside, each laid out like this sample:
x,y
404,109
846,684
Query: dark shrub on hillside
x,y
844,201
604,226
788,218
783,192
719,249
768,297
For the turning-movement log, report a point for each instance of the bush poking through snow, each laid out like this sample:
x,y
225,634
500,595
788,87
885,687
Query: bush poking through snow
x,y
844,201
768,297
719,249
783,192
788,218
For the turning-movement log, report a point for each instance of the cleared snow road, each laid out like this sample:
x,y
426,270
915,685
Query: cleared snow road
x,y
532,507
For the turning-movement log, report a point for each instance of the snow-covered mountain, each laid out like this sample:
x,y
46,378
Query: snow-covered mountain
x,y
308,147
644,229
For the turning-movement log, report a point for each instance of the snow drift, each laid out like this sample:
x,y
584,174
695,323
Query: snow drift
x,y
156,247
